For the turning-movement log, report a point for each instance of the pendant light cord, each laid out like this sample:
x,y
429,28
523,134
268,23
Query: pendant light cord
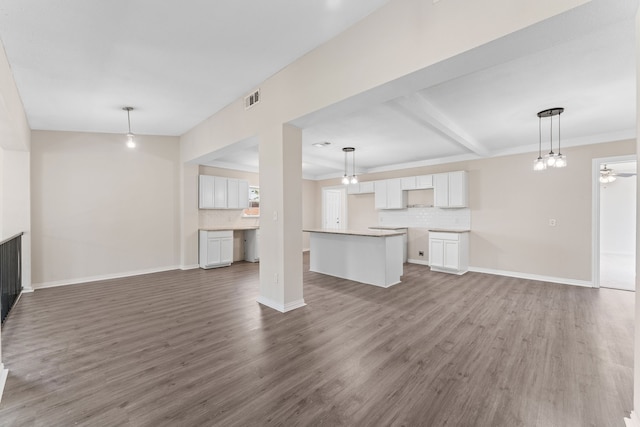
x,y
539,137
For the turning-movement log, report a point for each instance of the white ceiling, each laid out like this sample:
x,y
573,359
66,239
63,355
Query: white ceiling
x,y
77,62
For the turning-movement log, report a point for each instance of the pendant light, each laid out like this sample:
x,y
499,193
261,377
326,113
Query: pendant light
x,y
131,143
346,179
550,160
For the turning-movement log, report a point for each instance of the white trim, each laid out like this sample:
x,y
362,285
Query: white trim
x,y
88,279
633,420
282,308
595,211
189,267
4,373
528,276
418,261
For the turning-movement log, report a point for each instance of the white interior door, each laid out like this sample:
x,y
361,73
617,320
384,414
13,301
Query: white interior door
x,y
334,208
615,224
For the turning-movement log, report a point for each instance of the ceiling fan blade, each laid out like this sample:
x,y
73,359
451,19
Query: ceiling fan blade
x,y
625,175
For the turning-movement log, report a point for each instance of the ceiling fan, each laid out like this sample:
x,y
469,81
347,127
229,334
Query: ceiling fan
x,y
607,175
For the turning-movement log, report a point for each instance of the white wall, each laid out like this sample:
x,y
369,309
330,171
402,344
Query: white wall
x,y
100,209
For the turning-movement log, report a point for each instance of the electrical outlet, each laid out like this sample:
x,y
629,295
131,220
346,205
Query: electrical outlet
x,y
552,222
421,253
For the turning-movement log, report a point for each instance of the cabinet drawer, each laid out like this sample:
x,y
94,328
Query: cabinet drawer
x,y
220,234
444,236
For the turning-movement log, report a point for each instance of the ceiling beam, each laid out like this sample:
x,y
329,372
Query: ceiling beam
x,y
415,107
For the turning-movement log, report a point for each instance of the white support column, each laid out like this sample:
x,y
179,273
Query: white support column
x,y
281,218
188,216
634,420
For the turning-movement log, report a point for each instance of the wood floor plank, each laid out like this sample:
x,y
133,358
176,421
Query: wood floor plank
x,y
194,348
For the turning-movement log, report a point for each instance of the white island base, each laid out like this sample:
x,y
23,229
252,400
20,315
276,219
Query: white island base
x,y
373,257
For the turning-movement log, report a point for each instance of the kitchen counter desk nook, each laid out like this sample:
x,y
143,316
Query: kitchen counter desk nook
x,y
373,257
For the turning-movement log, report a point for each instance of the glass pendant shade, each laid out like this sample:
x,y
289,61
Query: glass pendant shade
x,y
131,143
561,161
354,179
539,164
345,180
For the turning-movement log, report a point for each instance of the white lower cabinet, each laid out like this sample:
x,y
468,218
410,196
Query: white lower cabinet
x,y
216,248
449,251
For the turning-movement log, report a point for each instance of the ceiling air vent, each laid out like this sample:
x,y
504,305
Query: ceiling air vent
x,y
252,99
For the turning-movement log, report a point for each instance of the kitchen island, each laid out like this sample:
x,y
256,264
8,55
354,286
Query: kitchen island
x,y
373,257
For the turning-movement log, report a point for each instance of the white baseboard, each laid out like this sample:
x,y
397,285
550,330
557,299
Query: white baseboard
x,y
633,420
4,373
189,267
88,279
282,308
560,280
418,261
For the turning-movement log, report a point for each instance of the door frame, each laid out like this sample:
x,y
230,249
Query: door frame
x,y
595,211
343,202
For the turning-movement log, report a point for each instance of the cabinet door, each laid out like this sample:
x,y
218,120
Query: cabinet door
x,y
380,195
436,253
226,250
458,189
408,182
353,189
214,251
367,187
441,190
243,194
220,193
232,194
206,191
424,181
395,195
451,255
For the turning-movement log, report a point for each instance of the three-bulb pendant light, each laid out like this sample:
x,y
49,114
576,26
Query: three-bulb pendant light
x,y
353,179
550,160
131,138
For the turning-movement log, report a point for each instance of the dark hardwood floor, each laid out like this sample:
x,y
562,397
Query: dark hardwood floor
x,y
192,348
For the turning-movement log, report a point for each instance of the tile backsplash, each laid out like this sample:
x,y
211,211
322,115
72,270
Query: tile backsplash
x,y
428,217
225,218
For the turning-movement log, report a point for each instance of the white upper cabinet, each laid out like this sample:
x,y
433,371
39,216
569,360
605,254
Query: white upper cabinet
x,y
361,188
217,192
232,193
450,190
243,194
389,194
206,190
424,182
220,193
408,182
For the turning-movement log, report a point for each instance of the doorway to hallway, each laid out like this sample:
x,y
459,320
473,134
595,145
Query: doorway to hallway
x,y
614,262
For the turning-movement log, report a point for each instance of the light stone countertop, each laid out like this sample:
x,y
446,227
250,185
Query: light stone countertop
x,y
448,230
232,228
368,233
